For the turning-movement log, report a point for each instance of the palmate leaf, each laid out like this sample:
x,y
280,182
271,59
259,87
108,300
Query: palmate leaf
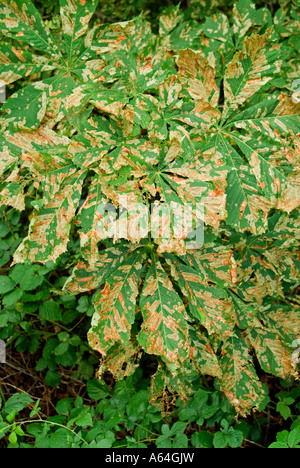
x,y
28,105
87,277
18,19
9,155
115,131
90,217
198,76
215,262
246,205
121,361
203,357
286,319
245,16
31,105
22,21
12,195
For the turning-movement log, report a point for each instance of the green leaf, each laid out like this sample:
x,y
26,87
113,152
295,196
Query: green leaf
x,y
220,440
6,284
17,403
75,18
164,330
115,305
202,439
13,438
50,310
52,378
12,298
294,438
235,438
97,389
21,20
49,229
284,410
250,69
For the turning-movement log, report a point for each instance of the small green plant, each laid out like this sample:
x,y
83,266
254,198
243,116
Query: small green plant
x,y
122,417
288,399
286,439
227,437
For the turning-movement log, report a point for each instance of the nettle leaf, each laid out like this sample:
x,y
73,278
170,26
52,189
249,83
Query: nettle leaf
x,y
170,159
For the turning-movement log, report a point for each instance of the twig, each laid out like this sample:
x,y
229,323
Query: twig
x,y
19,369
254,443
104,17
